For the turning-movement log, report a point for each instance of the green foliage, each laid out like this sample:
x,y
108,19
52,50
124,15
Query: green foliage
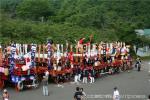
x,y
146,58
9,5
37,20
34,9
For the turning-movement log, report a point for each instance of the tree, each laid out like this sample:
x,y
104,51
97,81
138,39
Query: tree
x,y
34,9
71,19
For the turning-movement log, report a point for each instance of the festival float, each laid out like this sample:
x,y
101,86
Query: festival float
x,y
24,65
18,66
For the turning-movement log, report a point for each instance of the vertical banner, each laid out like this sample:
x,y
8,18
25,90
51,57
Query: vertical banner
x,y
49,45
39,52
12,57
33,51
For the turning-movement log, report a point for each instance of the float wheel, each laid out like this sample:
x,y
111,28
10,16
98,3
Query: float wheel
x,y
35,83
19,86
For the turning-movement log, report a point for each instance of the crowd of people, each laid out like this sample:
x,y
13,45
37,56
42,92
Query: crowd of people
x,y
85,71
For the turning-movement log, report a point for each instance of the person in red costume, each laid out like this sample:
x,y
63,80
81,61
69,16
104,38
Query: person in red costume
x,y
81,40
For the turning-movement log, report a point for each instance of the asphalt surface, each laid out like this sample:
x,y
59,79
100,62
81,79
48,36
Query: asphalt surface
x,y
132,85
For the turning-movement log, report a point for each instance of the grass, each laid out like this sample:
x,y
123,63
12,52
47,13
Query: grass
x,y
145,58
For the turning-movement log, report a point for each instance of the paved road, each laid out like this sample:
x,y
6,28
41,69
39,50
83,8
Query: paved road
x,y
132,84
